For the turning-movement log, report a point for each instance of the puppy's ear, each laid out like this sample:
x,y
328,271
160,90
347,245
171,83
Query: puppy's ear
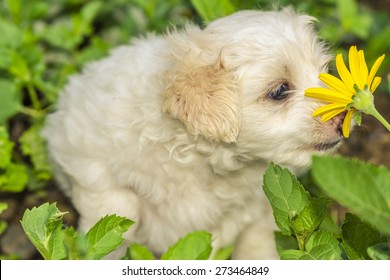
x,y
205,98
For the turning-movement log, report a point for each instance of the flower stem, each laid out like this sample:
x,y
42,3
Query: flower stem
x,y
374,112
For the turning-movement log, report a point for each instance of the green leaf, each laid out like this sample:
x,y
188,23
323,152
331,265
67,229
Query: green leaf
x,y
309,219
11,35
61,34
362,187
138,252
224,253
6,148
19,67
322,245
14,179
3,207
106,235
33,145
348,11
285,242
352,20
14,7
3,224
90,11
357,237
3,227
291,254
43,225
76,244
286,195
95,50
194,246
9,101
210,10
379,251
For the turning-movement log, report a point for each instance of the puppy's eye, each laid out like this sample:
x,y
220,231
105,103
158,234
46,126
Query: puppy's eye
x,y
280,93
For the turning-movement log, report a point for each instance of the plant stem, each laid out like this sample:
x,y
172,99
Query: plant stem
x,y
33,96
374,112
31,112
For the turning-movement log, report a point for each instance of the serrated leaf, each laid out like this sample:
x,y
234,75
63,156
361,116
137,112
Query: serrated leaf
x,y
6,148
357,237
138,252
11,35
322,245
285,242
210,10
379,251
33,145
286,195
309,219
19,67
10,103
90,11
194,246
291,254
61,35
362,187
43,226
76,244
106,235
14,179
224,253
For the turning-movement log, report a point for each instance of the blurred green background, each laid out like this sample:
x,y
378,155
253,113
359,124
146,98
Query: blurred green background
x,y
42,42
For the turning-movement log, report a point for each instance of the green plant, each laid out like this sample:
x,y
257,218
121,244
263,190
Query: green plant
x,y
362,187
45,229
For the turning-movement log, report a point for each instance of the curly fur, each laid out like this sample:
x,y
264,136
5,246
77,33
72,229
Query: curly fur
x,y
175,131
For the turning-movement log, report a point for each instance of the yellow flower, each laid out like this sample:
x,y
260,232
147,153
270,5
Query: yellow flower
x,y
341,93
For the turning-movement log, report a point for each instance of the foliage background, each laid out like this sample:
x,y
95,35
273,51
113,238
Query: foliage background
x,y
42,42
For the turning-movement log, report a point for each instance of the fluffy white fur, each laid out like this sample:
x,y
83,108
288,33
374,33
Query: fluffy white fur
x,y
174,131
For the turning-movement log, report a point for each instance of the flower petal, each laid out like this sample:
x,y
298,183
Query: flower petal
x,y
363,68
328,108
345,75
335,84
353,57
347,122
375,83
327,95
332,114
374,69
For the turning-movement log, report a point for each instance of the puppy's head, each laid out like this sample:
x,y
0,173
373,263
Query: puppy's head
x,y
241,80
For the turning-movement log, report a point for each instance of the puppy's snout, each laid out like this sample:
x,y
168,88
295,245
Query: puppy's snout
x,y
337,122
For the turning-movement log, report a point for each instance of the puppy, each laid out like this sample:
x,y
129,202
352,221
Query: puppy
x,y
175,131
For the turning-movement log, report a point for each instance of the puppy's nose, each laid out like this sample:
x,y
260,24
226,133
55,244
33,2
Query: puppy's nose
x,y
337,122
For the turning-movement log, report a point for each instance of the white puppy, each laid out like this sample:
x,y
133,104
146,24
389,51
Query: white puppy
x,y
174,132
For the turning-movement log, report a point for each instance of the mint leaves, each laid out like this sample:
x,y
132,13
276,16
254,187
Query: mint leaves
x,y
43,226
286,195
362,187
297,213
194,246
45,229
